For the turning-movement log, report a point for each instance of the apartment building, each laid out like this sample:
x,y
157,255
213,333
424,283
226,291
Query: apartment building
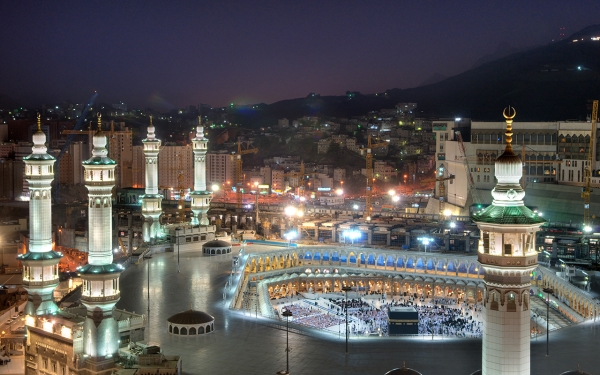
x,y
220,167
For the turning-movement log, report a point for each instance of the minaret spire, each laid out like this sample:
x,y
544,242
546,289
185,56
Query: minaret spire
x,y
507,254
100,277
151,200
509,121
40,262
200,196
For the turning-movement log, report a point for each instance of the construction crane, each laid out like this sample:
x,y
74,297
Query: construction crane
x,y
441,179
586,194
369,172
471,182
238,169
64,149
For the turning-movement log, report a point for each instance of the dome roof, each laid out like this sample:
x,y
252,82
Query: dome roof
x,y
576,372
191,317
403,371
217,243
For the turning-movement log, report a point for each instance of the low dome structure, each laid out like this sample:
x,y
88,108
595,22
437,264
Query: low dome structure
x,y
191,323
403,371
576,372
216,247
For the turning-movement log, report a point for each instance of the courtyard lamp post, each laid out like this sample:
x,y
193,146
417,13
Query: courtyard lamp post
x,y
287,314
346,289
177,231
353,234
290,237
548,291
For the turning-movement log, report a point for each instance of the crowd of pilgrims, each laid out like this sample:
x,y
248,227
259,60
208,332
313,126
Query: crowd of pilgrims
x,y
438,316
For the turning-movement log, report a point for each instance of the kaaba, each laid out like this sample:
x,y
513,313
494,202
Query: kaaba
x,y
403,321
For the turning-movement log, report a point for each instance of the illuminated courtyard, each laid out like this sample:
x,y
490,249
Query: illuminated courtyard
x,y
242,343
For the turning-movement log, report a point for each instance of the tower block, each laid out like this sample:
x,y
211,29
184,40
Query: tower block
x,y
40,263
507,253
200,196
100,276
151,200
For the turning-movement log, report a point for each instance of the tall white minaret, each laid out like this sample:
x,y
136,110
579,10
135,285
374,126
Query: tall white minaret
x,y
151,200
507,254
200,196
100,276
40,263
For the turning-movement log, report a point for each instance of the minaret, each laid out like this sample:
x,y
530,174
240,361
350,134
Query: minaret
x,y
200,196
40,263
151,200
100,276
507,254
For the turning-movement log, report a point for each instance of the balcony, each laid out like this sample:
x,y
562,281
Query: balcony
x,y
44,283
110,298
508,260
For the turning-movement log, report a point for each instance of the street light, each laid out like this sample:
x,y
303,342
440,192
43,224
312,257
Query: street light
x,y
352,234
548,291
290,237
346,289
287,314
425,241
177,230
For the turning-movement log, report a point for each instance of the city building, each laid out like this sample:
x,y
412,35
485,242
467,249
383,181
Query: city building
x,y
220,167
174,161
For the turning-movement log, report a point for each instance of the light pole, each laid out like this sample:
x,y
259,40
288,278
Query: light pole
x,y
287,314
352,234
177,230
290,237
548,291
346,289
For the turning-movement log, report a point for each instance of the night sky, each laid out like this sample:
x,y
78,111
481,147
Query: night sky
x,y
171,54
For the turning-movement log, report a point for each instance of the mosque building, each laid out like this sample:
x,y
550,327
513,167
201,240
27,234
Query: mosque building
x,y
84,340
507,254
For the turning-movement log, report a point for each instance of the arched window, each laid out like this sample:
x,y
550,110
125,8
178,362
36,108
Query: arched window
x,y
494,304
511,305
184,331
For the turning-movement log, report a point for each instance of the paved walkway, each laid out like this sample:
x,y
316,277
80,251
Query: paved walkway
x,y
243,344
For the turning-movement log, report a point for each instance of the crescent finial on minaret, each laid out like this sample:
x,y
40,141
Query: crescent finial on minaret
x,y
39,122
509,117
99,121
150,120
509,121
